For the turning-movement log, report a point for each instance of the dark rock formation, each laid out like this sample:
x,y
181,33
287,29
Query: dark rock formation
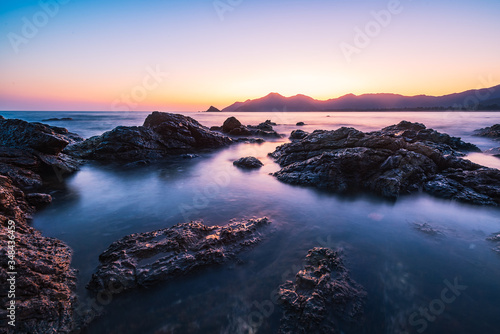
x,y
298,134
399,159
29,151
39,200
213,109
147,258
300,124
162,135
233,127
44,281
248,162
492,132
322,295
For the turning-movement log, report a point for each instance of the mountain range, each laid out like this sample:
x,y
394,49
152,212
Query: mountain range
x,y
476,99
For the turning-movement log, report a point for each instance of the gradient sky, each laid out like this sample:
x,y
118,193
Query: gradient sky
x,y
91,54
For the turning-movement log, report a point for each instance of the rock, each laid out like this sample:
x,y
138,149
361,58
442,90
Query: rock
x,y
45,282
55,119
147,258
248,162
39,200
16,133
162,135
233,127
298,134
495,238
268,121
397,160
30,151
213,109
249,140
300,124
322,295
492,132
426,228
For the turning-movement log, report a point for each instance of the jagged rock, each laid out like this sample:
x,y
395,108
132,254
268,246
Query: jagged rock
x,y
399,159
144,259
322,295
233,127
300,124
298,134
162,135
45,282
492,132
213,109
248,162
39,200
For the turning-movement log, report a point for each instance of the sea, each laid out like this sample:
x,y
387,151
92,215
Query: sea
x,y
408,275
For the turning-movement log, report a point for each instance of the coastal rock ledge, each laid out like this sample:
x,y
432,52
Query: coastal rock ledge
x,y
147,258
162,135
322,295
399,159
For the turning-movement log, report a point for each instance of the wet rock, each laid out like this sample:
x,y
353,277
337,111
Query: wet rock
x,y
495,238
162,135
322,295
213,109
492,132
250,140
144,259
300,124
45,282
397,160
298,134
248,163
233,127
426,228
39,200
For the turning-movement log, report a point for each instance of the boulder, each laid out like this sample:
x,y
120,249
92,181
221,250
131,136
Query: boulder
x,y
321,296
39,200
230,124
300,124
248,163
145,259
162,135
492,132
298,134
397,160
233,127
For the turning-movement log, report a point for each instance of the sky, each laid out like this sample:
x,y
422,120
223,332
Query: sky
x,y
187,55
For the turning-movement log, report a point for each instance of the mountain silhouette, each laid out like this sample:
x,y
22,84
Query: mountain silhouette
x,y
476,99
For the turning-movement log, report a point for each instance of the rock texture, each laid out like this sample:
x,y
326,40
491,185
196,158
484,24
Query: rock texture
x,y
45,282
322,295
162,135
298,134
30,151
233,127
492,132
148,258
399,159
248,162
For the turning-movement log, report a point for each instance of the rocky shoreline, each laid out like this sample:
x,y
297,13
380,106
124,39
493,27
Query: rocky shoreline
x,y
397,160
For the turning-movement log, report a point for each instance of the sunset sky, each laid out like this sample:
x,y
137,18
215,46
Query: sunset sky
x,y
188,55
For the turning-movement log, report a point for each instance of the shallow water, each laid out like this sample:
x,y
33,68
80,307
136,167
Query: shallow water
x,y
401,268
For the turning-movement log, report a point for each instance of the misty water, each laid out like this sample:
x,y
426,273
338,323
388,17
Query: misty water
x,y
401,268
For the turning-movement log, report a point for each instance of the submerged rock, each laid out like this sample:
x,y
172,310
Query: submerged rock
x,y
233,127
493,151
248,162
426,228
300,124
322,295
144,259
399,159
492,132
162,135
495,238
45,282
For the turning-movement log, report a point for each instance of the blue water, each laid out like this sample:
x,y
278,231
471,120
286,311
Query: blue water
x,y
401,268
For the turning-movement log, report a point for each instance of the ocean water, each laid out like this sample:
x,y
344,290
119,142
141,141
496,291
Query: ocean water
x,y
403,270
